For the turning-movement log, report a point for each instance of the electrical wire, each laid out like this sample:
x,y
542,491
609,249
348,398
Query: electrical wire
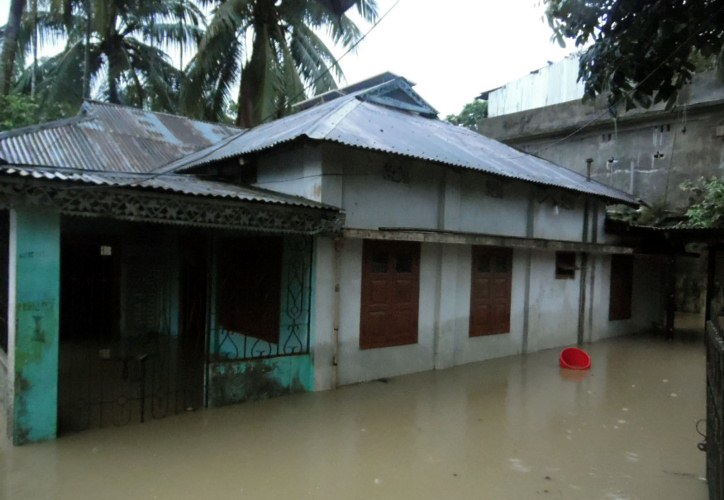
x,y
153,175
628,94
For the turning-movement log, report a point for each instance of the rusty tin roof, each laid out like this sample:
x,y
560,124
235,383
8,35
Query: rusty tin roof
x,y
184,184
110,137
386,118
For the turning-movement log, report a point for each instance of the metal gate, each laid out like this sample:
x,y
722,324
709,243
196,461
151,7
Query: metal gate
x,y
119,383
714,411
124,357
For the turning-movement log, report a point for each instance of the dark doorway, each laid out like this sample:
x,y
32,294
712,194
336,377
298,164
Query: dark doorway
x,y
193,321
89,325
132,327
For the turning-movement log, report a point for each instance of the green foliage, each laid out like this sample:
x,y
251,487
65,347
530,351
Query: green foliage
x,y
17,110
270,47
657,214
118,44
639,52
471,114
706,207
273,47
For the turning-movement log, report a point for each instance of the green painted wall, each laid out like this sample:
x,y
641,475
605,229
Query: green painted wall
x,y
238,381
36,255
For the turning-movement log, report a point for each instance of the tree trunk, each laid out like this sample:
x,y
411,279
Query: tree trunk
x,y
254,78
10,45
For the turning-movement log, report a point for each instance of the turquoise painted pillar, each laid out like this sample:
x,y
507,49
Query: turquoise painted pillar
x,y
33,324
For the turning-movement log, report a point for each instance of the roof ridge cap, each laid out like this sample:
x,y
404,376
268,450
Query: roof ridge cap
x,y
329,121
6,134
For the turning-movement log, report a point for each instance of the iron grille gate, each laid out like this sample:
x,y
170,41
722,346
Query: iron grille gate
x,y
103,385
714,411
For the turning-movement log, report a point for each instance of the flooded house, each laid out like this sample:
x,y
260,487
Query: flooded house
x,y
155,264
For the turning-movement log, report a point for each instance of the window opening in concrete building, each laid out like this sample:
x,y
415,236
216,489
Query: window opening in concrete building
x,y
250,273
565,265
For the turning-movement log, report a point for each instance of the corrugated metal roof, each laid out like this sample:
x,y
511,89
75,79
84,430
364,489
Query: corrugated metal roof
x,y
353,121
109,137
172,183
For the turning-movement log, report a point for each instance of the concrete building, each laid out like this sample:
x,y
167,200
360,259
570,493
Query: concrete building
x,y
357,239
646,152
440,196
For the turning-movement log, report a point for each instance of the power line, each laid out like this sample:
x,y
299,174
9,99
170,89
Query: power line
x,y
326,71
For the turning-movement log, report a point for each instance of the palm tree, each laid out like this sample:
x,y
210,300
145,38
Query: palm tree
x,y
116,47
10,45
271,48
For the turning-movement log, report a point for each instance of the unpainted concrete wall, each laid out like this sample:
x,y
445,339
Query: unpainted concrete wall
x,y
648,153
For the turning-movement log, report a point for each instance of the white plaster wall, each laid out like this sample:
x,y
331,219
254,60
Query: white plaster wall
x,y
297,172
483,213
443,321
371,200
647,307
552,220
356,365
322,334
438,197
471,349
553,304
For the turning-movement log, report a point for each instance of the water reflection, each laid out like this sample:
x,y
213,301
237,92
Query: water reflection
x,y
510,428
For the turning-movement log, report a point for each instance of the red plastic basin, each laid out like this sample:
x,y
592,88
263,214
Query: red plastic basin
x,y
574,358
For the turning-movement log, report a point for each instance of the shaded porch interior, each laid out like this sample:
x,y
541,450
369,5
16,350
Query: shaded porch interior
x,y
158,320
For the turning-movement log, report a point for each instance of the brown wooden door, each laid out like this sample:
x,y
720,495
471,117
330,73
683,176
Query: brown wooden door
x,y
490,291
390,293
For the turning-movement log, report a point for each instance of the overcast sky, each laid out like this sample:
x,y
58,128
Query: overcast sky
x,y
453,49
456,49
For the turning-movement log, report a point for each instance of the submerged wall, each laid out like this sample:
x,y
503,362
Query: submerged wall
x,y
544,314
382,194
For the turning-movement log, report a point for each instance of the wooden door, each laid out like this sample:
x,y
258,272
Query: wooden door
x,y
490,291
390,293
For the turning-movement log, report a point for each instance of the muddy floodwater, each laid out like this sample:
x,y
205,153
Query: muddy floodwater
x,y
512,428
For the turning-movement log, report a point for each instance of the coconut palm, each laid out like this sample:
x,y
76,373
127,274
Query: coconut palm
x,y
272,50
10,45
117,48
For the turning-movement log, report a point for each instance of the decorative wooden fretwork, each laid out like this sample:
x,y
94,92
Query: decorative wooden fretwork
x,y
149,206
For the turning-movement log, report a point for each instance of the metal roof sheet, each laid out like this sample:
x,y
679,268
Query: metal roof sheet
x,y
109,137
184,184
353,121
